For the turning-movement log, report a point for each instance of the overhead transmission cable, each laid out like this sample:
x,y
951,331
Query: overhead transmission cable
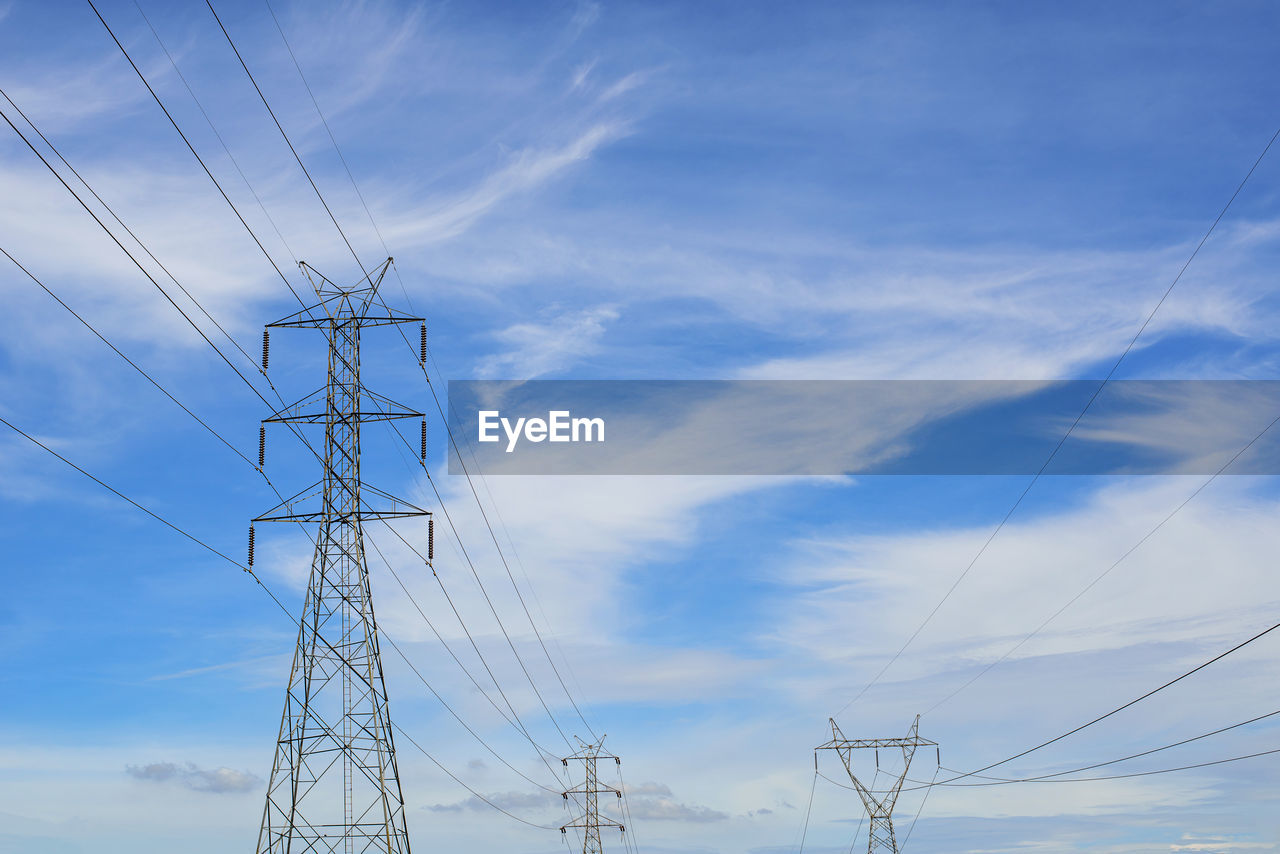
x,y
128,230
1071,429
334,140
923,801
126,251
131,363
162,290
176,282
235,450
808,811
1063,776
315,187
260,583
514,721
355,186
1170,683
1057,774
506,566
1108,570
209,173
288,142
195,154
1134,774
221,141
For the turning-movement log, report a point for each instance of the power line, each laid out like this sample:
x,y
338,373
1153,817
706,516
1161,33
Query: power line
x,y
342,233
488,600
629,839
320,196
210,175
195,154
247,460
1047,777
1056,776
333,139
128,230
132,363
1135,774
492,610
809,809
288,142
923,801
493,536
265,589
454,656
1108,570
1122,707
1054,453
173,62
137,263
502,557
400,730
120,494
336,148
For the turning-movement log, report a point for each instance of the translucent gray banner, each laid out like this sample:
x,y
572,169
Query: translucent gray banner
x,y
836,427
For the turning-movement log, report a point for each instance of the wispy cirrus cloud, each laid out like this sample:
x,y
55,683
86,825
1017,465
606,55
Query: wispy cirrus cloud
x,y
538,348
525,171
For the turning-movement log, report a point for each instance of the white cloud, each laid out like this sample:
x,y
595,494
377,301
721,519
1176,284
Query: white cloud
x,y
214,780
527,170
536,348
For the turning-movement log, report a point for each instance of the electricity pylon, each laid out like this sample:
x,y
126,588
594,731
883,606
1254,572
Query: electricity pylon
x,y
879,809
335,785
591,790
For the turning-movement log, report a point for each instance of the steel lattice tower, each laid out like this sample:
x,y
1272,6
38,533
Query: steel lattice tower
x,y
590,822
879,809
335,785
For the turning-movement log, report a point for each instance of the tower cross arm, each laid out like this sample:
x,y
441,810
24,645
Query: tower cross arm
x,y
598,789
603,822
322,314
873,743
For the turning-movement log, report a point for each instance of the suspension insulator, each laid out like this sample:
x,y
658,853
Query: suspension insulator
x,y
262,446
877,760
266,347
424,440
431,539
250,545
939,749
422,357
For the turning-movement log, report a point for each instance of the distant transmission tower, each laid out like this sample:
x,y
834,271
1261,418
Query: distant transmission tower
x,y
591,822
879,809
335,786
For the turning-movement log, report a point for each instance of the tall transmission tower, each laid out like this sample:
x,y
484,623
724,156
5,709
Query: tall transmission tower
x,y
879,809
590,822
335,785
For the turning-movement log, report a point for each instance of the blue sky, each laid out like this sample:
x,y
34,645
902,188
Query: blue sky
x,y
669,191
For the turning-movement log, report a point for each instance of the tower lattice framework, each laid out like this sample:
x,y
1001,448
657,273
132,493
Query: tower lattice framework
x,y
591,822
335,784
878,804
